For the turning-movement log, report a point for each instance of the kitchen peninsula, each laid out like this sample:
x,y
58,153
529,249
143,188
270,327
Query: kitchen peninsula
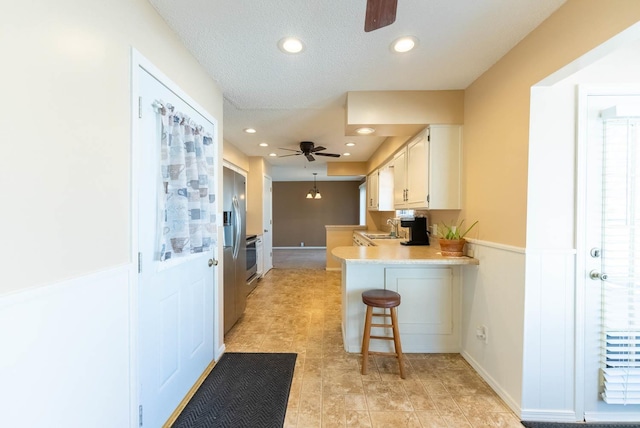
x,y
429,316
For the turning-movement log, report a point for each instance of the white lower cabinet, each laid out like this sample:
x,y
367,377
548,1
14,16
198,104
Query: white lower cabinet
x,y
429,315
426,297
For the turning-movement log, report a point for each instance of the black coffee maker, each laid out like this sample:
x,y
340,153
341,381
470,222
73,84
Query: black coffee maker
x,y
417,231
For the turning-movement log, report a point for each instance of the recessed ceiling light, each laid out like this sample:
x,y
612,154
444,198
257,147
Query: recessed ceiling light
x,y
249,130
273,155
346,154
350,144
263,145
291,45
365,131
404,44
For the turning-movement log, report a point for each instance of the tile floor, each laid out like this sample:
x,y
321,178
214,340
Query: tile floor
x,y
298,310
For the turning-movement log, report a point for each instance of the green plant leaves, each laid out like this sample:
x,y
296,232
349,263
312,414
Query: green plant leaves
x,y
452,231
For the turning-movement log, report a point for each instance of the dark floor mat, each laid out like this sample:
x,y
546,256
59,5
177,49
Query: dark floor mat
x,y
242,390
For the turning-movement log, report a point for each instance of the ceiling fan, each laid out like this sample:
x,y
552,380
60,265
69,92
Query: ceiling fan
x,y
308,149
380,13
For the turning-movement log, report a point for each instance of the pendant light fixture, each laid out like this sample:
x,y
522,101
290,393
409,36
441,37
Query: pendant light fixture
x,y
314,193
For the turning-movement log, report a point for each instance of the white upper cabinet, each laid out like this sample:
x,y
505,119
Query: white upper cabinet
x,y
372,191
380,189
400,179
427,170
445,171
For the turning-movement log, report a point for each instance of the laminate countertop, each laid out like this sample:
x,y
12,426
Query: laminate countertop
x,y
390,251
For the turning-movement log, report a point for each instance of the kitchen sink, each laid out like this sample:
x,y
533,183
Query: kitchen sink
x,y
380,236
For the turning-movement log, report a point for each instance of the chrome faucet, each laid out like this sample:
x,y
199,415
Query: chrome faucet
x,y
394,226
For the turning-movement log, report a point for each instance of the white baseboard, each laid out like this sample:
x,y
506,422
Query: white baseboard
x,y
549,416
218,353
612,417
513,405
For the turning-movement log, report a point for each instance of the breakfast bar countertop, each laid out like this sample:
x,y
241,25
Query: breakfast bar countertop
x,y
399,254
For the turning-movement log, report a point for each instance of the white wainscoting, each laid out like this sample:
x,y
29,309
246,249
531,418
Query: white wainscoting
x,y
65,353
526,300
493,296
549,377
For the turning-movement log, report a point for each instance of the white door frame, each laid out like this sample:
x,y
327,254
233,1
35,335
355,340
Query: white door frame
x,y
582,283
138,61
267,205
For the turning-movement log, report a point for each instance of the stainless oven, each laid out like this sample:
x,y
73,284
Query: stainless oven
x,y
252,261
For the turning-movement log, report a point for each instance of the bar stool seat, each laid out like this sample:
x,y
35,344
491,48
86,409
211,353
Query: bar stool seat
x,y
384,299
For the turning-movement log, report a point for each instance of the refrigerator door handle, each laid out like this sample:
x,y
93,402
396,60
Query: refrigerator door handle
x,y
238,226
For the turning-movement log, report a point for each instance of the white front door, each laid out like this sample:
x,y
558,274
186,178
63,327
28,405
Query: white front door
x,y
176,297
267,214
611,255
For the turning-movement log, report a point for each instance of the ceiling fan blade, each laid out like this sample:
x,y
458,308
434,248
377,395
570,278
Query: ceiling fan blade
x,y
291,150
295,154
380,13
317,149
331,155
310,158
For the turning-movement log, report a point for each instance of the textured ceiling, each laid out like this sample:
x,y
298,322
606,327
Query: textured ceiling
x,y
291,98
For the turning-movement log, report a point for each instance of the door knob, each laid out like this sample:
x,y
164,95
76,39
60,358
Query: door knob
x,y
595,275
213,262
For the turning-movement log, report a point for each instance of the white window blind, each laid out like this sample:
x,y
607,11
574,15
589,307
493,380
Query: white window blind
x,y
621,261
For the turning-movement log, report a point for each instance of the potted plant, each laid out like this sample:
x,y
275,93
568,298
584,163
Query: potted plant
x,y
451,239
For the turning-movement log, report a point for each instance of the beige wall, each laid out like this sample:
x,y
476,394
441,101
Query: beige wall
x,y
66,140
296,219
346,168
385,151
233,155
497,111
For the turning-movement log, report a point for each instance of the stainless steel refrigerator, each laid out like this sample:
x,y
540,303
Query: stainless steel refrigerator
x,y
235,249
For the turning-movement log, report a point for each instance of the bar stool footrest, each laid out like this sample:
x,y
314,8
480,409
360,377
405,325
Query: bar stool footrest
x,y
388,354
382,337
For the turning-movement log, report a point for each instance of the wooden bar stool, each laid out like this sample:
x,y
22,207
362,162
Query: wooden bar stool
x,y
381,299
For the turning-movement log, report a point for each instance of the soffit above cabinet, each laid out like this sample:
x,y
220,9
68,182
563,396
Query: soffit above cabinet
x,y
397,113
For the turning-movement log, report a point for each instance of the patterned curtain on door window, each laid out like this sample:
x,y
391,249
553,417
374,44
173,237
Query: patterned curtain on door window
x,y
186,193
